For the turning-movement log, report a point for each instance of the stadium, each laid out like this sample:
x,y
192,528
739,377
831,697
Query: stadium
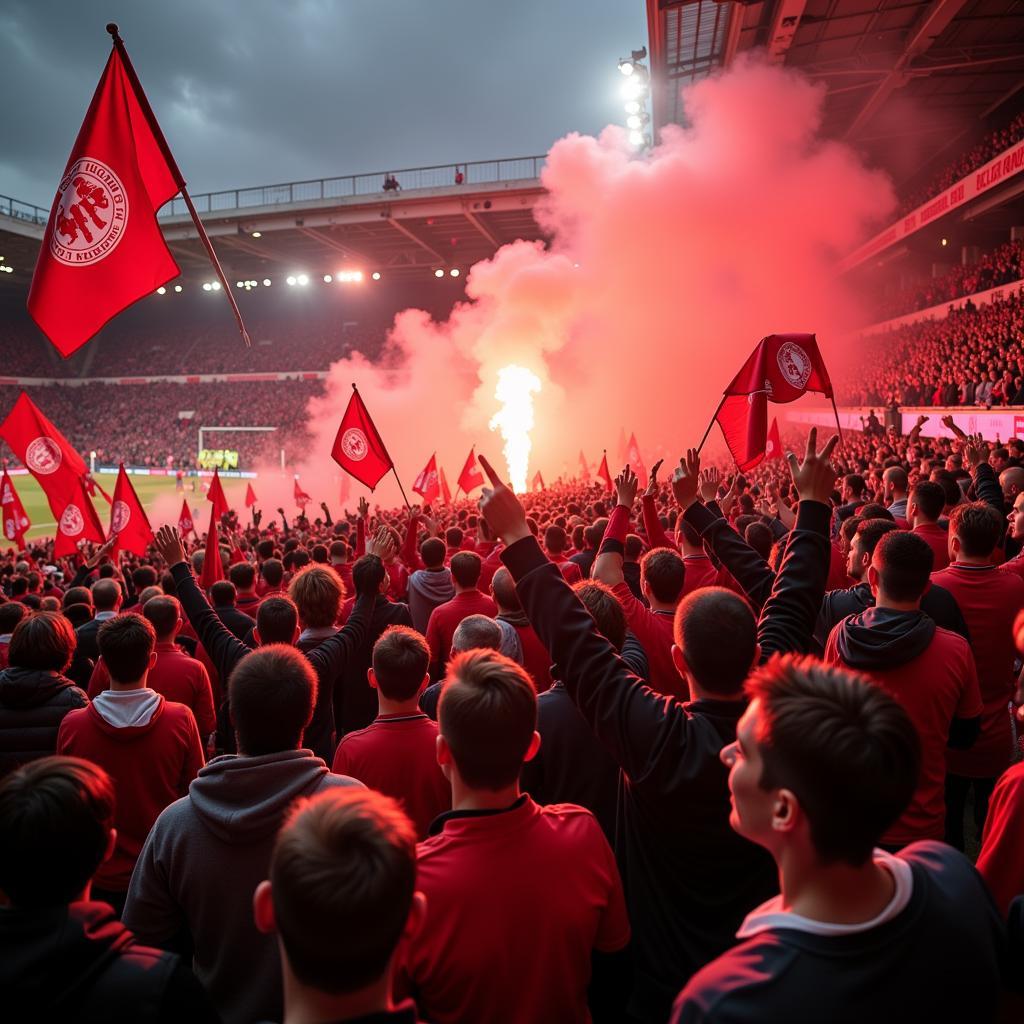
x,y
355,483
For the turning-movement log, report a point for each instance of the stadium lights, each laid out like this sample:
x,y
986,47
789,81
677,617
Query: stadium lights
x,y
266,282
945,241
215,285
206,286
626,67
161,290
635,91
376,275
439,272
290,280
632,107
241,284
257,234
348,276
328,278
177,287
7,268
303,280
454,272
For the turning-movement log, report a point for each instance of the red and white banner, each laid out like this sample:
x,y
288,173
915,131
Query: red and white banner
x,y
128,520
16,521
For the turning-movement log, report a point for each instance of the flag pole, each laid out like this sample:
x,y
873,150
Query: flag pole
x,y
838,427
710,425
179,180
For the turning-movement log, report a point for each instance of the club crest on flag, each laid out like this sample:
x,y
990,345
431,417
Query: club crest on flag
x,y
794,363
43,456
91,214
354,444
72,522
120,514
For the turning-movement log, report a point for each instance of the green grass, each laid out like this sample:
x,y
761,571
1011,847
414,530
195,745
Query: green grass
x,y
148,488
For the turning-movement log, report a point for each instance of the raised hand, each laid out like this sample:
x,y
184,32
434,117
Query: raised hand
x,y
709,480
364,508
922,420
102,551
501,508
652,485
686,479
626,484
975,451
382,544
815,478
168,545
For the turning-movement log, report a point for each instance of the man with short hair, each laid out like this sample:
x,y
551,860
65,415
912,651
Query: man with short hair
x,y
106,599
64,956
895,491
224,597
823,765
396,753
502,873
924,509
207,852
475,632
430,586
243,576
445,618
341,895
536,659
149,746
555,543
318,593
271,578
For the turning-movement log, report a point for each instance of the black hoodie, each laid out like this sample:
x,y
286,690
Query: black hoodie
x,y
78,963
881,638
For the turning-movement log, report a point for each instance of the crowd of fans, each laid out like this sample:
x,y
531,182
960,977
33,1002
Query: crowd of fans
x,y
972,357
704,748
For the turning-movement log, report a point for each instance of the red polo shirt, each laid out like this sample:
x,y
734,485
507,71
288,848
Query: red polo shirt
x,y
518,900
178,677
700,572
989,600
1001,861
654,631
938,541
397,755
445,619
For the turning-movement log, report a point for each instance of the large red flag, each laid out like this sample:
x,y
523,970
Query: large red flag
x,y
446,494
773,444
781,369
250,496
103,249
215,493
302,499
604,473
16,522
185,524
358,448
426,485
78,521
45,452
470,476
635,460
128,518
213,568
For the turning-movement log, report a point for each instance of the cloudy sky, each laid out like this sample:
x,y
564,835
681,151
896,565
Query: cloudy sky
x,y
252,92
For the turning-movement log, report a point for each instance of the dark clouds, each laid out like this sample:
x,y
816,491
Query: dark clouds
x,y
251,92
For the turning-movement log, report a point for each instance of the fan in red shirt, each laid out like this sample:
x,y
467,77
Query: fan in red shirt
x,y
468,600
555,544
521,896
536,659
923,510
929,670
174,674
397,753
990,601
149,746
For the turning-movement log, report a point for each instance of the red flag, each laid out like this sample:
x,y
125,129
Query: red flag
x,y
584,468
358,448
538,482
103,249
92,486
215,493
185,524
426,484
128,518
16,522
744,422
470,476
604,474
213,569
446,494
302,499
773,445
78,521
250,496
45,452
635,461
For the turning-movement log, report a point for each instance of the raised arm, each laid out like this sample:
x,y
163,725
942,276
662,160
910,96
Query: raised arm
x,y
656,535
608,564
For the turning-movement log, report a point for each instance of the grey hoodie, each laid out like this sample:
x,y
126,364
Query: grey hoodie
x,y
203,859
427,589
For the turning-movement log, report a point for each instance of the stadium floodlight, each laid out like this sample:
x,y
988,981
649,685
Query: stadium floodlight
x,y
636,138
257,234
945,242
357,276
240,284
632,107
206,286
376,275
633,89
303,280
634,122
626,67
215,285
328,279
161,290
439,272
266,282
177,287
454,272
290,279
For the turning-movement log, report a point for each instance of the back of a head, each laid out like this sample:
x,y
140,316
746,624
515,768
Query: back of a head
x,y
368,574
665,573
77,595
163,613
978,527
476,631
875,510
842,745
144,576
149,593
319,554
43,641
401,658
55,818
896,476
433,552
904,563
265,549
243,575
318,593
338,552
504,589
760,538
11,614
487,714
223,594
717,633
453,536
272,571
930,499
633,547
126,643
276,620
465,568
342,876
605,609
272,692
105,595
688,533
555,540
871,531
19,586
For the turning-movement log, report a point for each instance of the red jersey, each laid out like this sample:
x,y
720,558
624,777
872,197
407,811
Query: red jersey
x,y
989,600
938,540
700,572
940,684
397,755
398,576
654,631
151,765
570,571
520,899
175,675
536,659
445,619
1001,861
